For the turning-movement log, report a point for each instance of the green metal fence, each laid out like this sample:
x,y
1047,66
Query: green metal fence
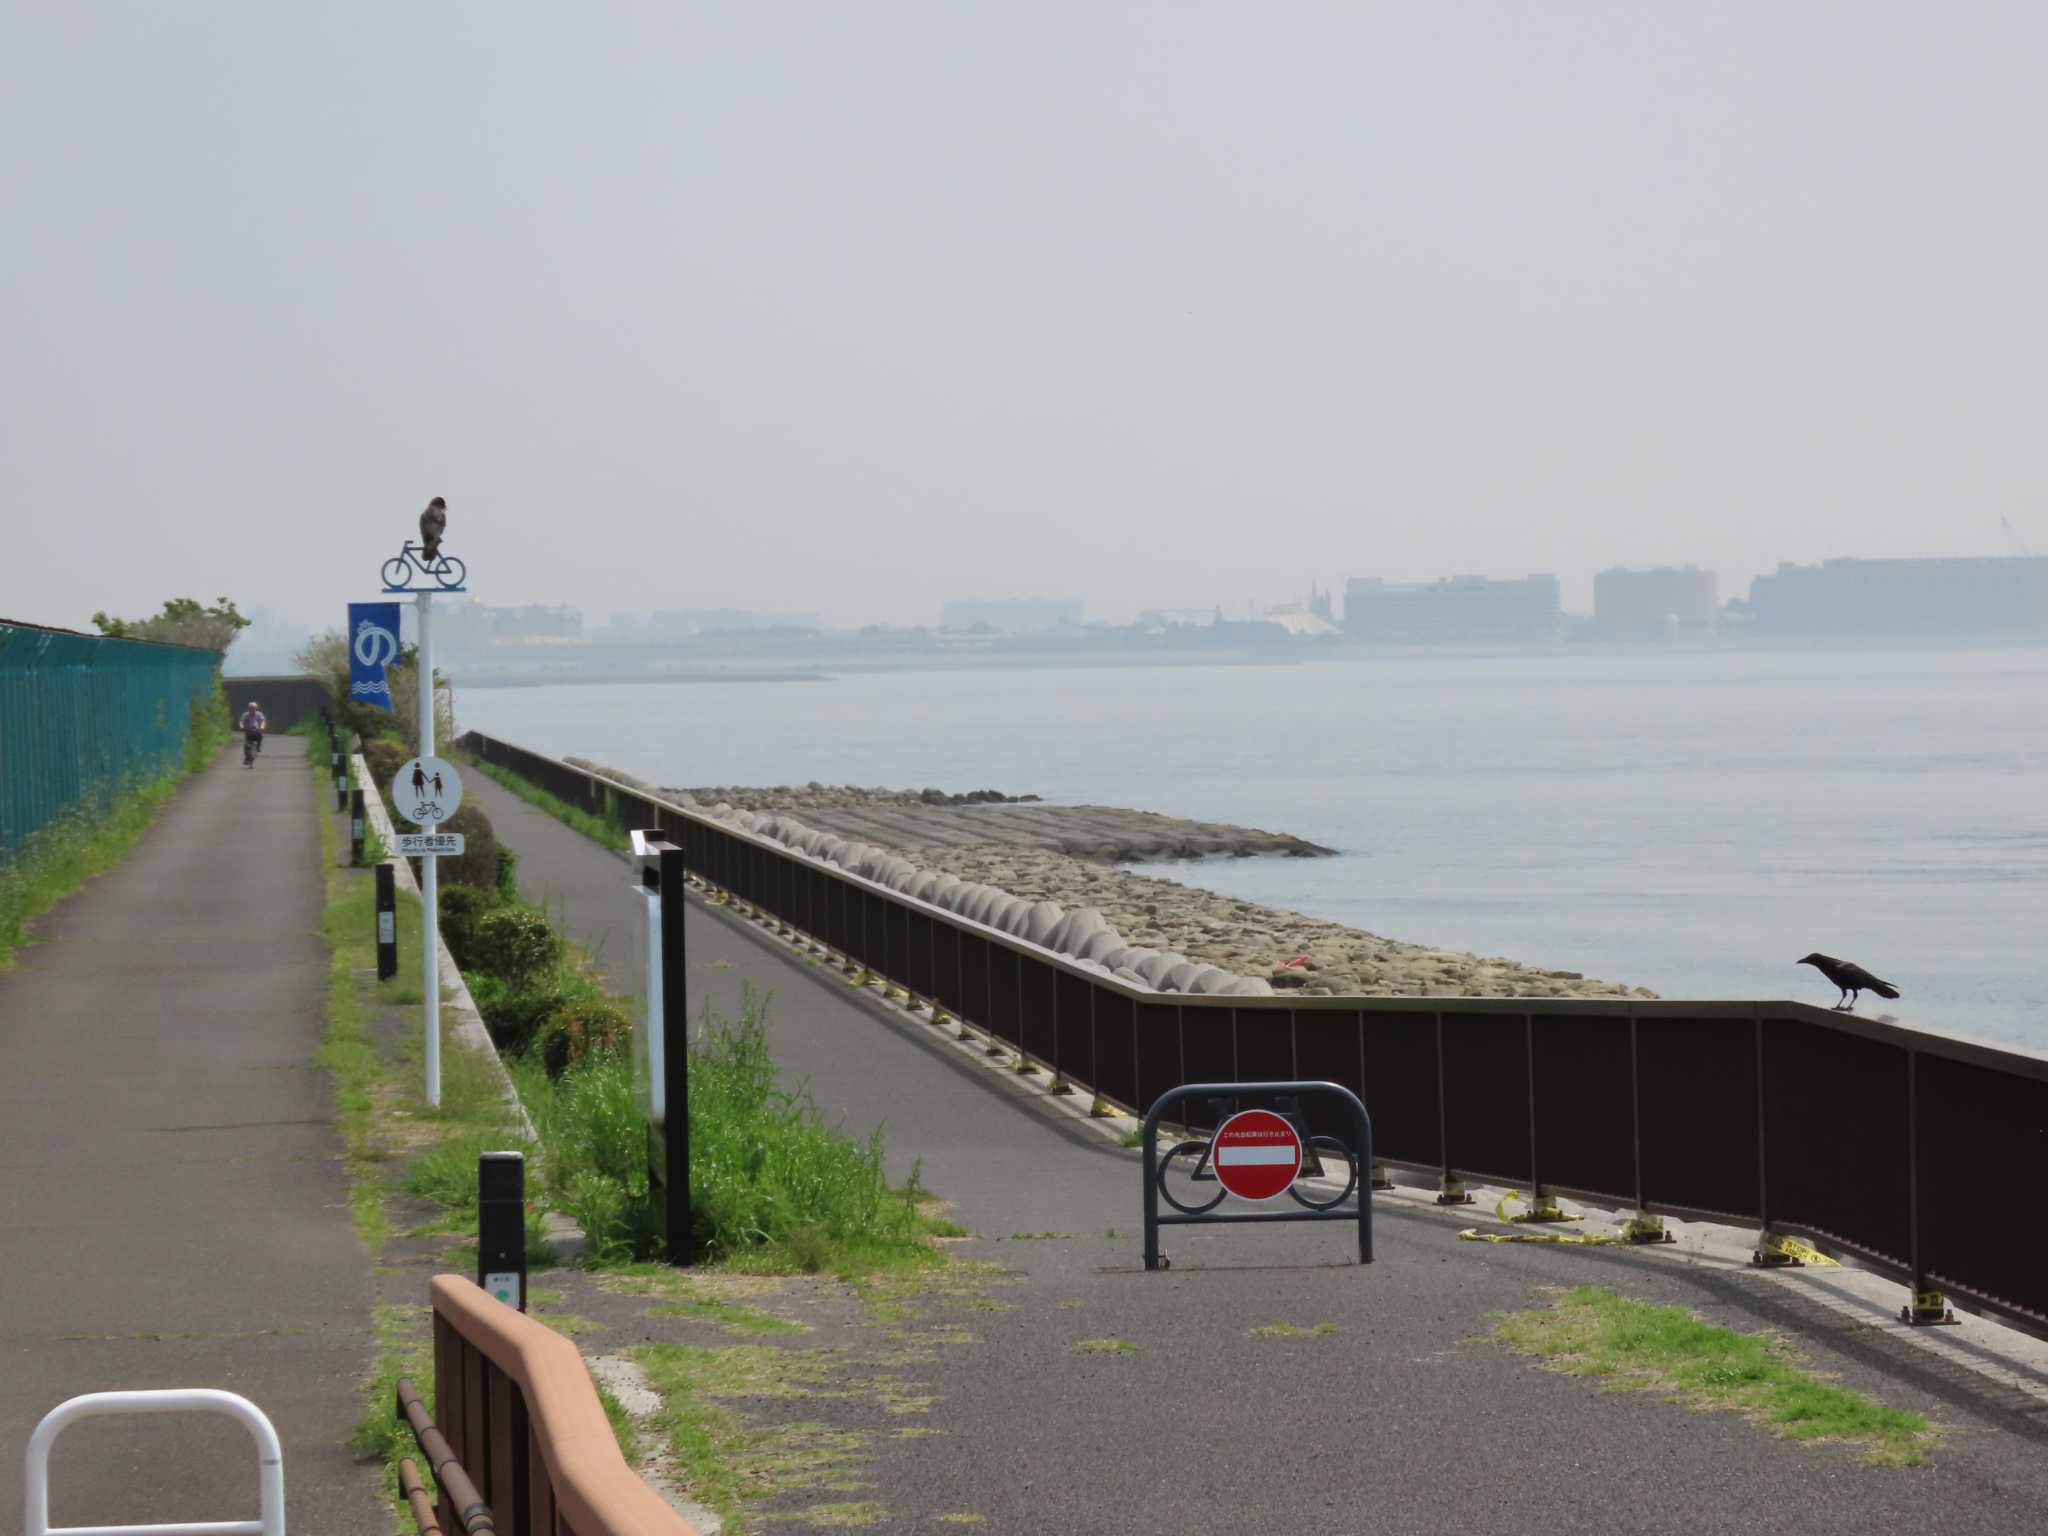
x,y
82,716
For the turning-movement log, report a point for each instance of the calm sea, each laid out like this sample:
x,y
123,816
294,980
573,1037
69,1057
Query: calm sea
x,y
1688,822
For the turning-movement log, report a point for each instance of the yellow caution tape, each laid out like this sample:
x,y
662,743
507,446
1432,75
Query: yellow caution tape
x,y
1500,1209
1571,1239
1805,1253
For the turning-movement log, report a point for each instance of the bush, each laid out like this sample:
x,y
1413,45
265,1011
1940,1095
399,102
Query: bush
x,y
508,873
515,1013
478,862
767,1171
596,1164
581,1029
385,755
515,944
462,908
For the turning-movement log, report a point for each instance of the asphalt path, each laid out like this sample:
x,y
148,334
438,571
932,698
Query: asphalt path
x,y
173,1206
1399,1416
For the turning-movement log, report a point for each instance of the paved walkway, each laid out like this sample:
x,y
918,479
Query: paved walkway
x,y
173,1209
1402,1419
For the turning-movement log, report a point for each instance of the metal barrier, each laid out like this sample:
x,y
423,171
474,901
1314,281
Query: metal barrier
x,y
515,1410
1869,1139
85,716
1358,1153
269,1461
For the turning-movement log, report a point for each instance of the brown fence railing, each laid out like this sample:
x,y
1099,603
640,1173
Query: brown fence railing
x,y
516,1406
1896,1146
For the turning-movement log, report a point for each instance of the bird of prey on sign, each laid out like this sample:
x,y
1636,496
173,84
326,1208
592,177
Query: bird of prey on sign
x,y
433,523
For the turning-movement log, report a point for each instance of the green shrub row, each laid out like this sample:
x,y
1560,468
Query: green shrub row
x,y
771,1184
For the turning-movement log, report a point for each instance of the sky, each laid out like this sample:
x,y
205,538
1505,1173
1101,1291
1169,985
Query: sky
x,y
854,308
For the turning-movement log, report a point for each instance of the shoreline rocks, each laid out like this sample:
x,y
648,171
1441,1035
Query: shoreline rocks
x,y
1054,885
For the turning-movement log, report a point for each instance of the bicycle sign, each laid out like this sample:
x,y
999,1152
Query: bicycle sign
x,y
427,791
445,571
1257,1155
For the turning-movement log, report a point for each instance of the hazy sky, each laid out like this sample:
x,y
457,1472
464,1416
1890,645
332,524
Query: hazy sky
x,y
854,307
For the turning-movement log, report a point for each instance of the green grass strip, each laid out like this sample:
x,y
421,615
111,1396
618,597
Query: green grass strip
x,y
391,1138
93,838
70,851
1635,1347
727,1461
598,829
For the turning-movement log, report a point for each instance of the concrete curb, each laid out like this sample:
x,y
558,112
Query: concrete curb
x,y
460,1016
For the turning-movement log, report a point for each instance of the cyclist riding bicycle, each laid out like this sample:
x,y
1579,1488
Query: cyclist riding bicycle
x,y
253,724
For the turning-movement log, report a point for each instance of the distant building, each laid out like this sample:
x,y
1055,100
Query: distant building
x,y
1995,597
1655,601
474,627
1299,620
1010,615
1178,618
1462,610
667,625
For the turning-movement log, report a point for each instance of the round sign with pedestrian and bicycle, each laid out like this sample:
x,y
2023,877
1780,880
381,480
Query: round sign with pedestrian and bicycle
x,y
427,791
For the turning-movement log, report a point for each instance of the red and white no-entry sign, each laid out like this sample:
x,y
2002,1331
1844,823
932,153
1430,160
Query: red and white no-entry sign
x,y
1256,1154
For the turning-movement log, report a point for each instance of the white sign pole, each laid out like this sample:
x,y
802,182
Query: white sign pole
x,y
430,909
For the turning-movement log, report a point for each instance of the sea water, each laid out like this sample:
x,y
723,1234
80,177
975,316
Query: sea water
x,y
1691,822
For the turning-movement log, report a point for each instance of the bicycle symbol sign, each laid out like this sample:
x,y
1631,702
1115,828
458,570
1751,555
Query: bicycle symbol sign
x,y
427,791
1256,1155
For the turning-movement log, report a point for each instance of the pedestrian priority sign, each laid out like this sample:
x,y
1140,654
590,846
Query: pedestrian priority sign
x,y
427,791
419,844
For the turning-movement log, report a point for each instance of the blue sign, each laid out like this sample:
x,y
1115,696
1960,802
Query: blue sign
x,y
372,646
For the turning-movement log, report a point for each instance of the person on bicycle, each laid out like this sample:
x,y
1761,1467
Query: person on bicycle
x,y
253,724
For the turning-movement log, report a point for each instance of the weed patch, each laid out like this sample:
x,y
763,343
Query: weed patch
x,y
725,1461
1105,1347
732,1318
610,832
1635,1347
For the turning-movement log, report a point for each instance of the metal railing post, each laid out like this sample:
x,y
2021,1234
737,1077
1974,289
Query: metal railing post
x,y
355,828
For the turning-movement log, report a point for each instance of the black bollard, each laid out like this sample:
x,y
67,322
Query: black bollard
x,y
355,827
387,922
501,1226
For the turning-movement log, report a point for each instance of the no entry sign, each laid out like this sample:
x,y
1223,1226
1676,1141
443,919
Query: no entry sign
x,y
1256,1155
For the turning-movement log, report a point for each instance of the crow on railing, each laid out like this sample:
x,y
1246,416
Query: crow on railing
x,y
1852,979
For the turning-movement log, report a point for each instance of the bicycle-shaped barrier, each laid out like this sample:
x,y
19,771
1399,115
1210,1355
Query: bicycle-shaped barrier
x,y
1267,1153
444,570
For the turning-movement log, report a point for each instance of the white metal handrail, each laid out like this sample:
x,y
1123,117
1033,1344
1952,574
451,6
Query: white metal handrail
x,y
269,1461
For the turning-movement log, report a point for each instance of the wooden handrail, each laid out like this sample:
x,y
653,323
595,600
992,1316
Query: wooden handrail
x,y
595,1492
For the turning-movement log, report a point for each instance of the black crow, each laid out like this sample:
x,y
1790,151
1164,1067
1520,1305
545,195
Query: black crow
x,y
1852,979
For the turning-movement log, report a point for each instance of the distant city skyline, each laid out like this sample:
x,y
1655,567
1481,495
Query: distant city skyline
x,y
646,623
847,309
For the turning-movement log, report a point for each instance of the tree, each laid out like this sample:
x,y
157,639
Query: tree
x,y
326,657
183,622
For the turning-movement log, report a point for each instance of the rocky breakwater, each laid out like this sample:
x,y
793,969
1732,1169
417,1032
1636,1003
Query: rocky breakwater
x,y
1044,874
